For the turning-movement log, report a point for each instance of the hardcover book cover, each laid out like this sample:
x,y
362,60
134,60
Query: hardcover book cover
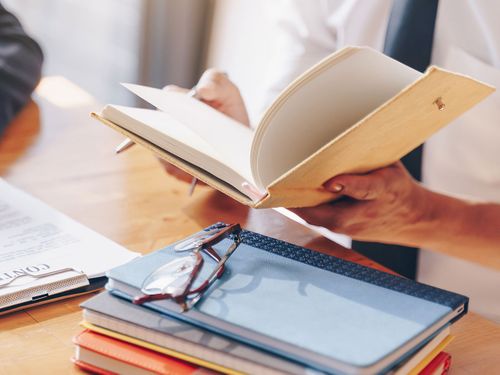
x,y
308,307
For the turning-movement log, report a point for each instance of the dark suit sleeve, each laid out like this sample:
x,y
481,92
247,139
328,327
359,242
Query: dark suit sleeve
x,y
20,67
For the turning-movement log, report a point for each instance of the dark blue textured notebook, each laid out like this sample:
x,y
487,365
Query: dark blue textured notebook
x,y
318,310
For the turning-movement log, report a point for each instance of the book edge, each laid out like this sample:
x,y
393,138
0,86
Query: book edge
x,y
187,167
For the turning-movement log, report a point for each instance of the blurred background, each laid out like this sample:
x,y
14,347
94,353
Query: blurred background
x,y
97,44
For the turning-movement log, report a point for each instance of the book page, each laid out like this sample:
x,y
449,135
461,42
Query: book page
x,y
171,135
230,139
321,104
36,238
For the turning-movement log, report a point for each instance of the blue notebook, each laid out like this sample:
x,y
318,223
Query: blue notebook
x,y
318,310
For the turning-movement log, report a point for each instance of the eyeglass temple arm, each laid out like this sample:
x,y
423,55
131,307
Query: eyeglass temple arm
x,y
139,300
216,238
220,235
216,273
212,253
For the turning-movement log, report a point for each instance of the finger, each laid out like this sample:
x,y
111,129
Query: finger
x,y
214,85
361,187
175,88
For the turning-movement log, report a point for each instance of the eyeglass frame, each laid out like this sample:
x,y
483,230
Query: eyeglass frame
x,y
232,231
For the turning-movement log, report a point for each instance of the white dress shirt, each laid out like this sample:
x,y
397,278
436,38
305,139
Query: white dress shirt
x,y
462,159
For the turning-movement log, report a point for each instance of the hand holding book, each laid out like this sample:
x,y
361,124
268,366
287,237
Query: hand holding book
x,y
384,205
388,206
353,112
387,198
386,201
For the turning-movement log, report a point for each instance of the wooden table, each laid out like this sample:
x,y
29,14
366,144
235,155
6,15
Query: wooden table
x,y
54,151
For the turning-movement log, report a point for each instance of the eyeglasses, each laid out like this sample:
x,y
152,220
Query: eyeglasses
x,y
174,280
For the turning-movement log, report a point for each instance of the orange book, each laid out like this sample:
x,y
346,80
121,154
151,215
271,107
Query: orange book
x,y
107,356
440,365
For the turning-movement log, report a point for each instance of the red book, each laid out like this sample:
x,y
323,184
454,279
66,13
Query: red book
x,y
108,356
440,365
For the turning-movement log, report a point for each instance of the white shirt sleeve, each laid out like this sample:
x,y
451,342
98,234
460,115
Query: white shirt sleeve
x,y
304,36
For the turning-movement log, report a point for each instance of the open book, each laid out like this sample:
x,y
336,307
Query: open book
x,y
354,111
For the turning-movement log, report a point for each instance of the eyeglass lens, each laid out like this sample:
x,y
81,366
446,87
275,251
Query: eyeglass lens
x,y
172,278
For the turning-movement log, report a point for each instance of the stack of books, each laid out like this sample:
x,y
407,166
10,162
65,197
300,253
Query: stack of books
x,y
277,309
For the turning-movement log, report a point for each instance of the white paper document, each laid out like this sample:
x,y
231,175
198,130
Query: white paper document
x,y
37,242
